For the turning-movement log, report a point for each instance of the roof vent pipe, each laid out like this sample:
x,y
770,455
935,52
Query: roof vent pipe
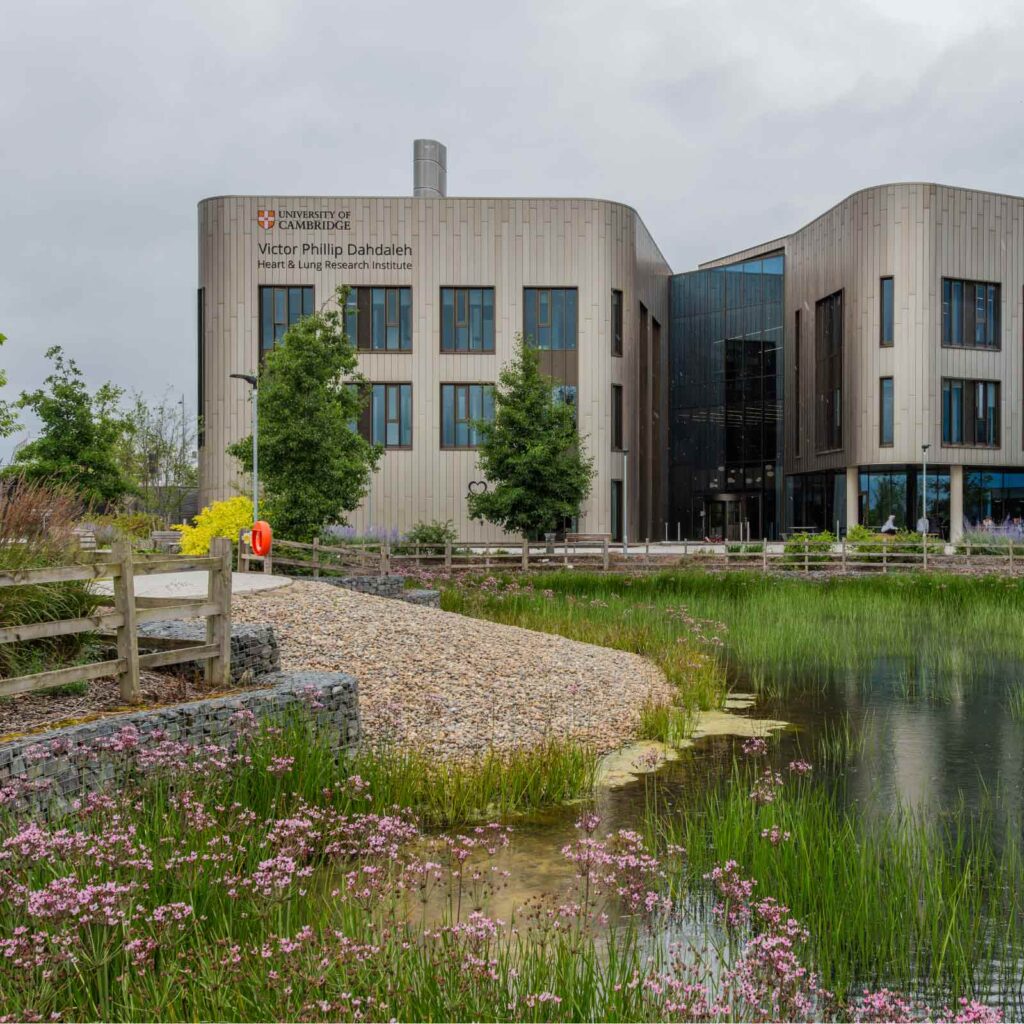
x,y
429,169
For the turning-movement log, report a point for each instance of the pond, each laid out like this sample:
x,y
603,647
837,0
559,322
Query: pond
x,y
918,781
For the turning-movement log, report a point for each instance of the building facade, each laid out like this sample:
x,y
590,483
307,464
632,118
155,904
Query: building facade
x,y
902,328
798,384
441,289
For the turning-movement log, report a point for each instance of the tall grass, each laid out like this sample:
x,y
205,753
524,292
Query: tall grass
x,y
897,899
583,607
777,631
36,522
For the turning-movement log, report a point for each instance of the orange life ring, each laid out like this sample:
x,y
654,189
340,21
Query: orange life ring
x,y
262,538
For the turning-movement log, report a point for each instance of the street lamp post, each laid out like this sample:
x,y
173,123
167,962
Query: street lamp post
x,y
924,486
253,383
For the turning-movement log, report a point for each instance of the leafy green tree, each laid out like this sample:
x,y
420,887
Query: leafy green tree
x,y
158,454
8,419
531,453
80,434
314,467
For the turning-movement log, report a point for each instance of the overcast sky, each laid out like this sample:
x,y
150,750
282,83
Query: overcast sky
x,y
723,123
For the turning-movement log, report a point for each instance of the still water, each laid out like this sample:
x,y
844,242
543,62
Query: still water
x,y
922,738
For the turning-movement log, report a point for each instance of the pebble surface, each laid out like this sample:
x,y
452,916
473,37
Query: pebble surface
x,y
455,685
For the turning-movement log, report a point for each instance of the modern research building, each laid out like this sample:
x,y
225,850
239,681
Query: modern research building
x,y
789,385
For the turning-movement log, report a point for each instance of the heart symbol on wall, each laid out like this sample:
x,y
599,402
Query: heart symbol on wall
x,y
477,486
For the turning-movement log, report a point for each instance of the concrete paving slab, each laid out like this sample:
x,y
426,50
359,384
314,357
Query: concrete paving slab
x,y
189,585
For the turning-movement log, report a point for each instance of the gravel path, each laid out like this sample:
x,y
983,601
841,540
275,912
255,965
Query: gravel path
x,y
452,684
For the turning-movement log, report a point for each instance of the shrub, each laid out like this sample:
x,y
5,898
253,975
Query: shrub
x,y
37,520
808,548
221,519
864,543
433,534
984,542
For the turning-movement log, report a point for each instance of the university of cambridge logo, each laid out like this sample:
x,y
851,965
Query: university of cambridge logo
x,y
265,218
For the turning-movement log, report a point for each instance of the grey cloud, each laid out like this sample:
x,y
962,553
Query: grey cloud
x,y
724,123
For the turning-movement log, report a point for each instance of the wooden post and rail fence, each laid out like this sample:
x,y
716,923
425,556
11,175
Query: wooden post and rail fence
x,y
799,554
129,611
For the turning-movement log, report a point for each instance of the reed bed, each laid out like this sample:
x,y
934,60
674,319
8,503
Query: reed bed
x,y
274,881
925,904
777,632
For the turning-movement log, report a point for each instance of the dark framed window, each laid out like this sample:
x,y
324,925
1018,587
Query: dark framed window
x,y
970,412
380,319
797,397
200,365
617,417
550,318
462,407
885,412
970,314
391,415
280,307
616,322
616,510
887,314
467,319
828,358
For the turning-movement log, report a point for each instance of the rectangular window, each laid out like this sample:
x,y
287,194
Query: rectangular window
x,y
380,319
616,322
617,417
463,406
391,415
467,319
887,314
828,358
797,397
280,307
885,417
549,318
970,314
201,365
970,412
616,523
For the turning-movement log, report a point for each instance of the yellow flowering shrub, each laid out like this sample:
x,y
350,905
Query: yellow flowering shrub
x,y
221,519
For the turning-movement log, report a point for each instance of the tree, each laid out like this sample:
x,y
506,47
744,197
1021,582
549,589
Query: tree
x,y
314,467
8,420
80,434
158,454
531,453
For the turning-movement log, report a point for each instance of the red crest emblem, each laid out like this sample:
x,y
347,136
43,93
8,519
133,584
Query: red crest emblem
x,y
265,218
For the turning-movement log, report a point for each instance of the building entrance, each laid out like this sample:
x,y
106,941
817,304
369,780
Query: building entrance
x,y
734,517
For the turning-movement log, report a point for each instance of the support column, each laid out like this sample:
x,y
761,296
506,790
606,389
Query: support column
x,y
956,503
852,496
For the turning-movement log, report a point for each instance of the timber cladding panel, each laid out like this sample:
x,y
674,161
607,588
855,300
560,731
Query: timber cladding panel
x,y
917,234
507,244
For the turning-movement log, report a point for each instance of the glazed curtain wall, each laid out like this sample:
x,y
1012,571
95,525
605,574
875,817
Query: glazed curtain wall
x,y
725,359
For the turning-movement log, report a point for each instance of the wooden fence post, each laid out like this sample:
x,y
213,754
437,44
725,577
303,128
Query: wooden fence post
x,y
526,554
218,626
764,555
243,562
924,549
447,556
127,641
605,560
843,550
316,558
807,558
885,556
